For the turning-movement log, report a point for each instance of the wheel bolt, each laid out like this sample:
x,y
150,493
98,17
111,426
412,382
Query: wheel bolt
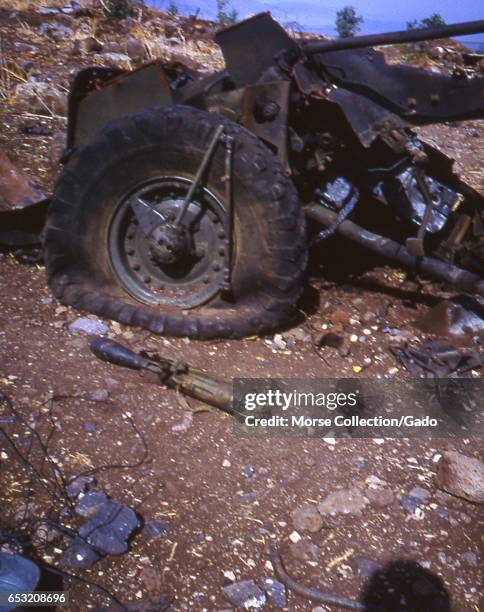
x,y
147,279
216,267
130,251
206,280
221,251
136,267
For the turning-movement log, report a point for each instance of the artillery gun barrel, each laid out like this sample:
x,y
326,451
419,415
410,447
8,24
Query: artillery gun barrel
x,y
394,38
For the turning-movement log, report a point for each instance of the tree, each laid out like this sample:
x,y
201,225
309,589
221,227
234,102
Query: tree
x,y
433,21
347,21
226,15
172,9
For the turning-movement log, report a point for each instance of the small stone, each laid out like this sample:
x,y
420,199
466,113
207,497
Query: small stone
x,y
279,341
249,471
420,494
79,555
409,504
89,327
368,317
116,60
136,49
151,579
380,497
99,395
90,503
229,574
185,423
156,529
245,594
86,45
307,518
89,426
79,485
275,591
373,480
471,558
461,476
304,551
344,501
295,537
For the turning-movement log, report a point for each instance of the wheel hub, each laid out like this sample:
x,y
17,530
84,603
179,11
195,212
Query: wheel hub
x,y
182,265
169,244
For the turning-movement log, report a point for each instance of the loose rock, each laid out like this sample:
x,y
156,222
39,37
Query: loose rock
x,y
89,327
110,528
86,45
275,591
79,555
90,503
307,518
304,551
345,501
461,476
245,594
380,496
116,60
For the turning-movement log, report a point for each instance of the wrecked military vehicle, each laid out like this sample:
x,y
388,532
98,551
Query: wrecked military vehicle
x,y
183,200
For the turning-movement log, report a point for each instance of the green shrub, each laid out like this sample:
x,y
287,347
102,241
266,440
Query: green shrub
x,y
119,9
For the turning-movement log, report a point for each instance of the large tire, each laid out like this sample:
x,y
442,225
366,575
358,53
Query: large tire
x,y
270,237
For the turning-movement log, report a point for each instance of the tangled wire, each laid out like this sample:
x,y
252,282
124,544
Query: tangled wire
x,y
22,534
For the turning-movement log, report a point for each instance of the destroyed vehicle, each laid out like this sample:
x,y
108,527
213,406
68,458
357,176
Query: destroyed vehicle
x,y
182,204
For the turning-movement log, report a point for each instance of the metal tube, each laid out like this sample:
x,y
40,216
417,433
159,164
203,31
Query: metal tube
x,y
394,38
203,166
440,270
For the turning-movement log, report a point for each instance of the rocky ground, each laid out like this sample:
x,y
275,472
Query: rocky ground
x,y
209,499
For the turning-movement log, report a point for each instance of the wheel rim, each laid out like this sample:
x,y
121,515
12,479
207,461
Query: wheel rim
x,y
187,283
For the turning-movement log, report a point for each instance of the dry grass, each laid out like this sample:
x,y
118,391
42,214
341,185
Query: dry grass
x,y
22,5
11,74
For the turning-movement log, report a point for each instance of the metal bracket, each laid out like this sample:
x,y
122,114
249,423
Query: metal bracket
x,y
227,179
415,246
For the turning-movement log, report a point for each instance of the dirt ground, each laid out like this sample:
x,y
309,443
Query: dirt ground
x,y
211,500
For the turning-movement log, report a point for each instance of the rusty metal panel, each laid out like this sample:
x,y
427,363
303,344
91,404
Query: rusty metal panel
x,y
249,47
265,110
412,92
128,93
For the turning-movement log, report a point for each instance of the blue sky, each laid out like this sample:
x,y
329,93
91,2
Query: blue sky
x,y
379,15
